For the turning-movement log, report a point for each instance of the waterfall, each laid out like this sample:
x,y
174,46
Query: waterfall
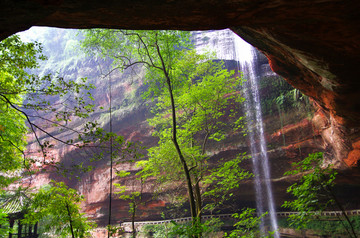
x,y
229,46
245,57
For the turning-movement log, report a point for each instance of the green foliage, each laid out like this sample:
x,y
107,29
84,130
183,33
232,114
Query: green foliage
x,y
248,225
202,91
58,207
334,227
15,56
113,145
44,103
311,193
131,196
12,143
192,94
203,229
190,229
277,93
115,231
327,226
224,180
134,197
128,48
183,230
4,224
158,231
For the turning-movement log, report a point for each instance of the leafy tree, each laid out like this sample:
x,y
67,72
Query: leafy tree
x,y
182,230
192,93
159,230
122,151
201,229
4,224
313,193
202,92
248,225
46,104
133,197
14,57
43,103
59,206
224,180
157,51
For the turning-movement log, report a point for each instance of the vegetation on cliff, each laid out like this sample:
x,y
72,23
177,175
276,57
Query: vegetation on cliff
x,y
314,194
15,57
192,93
25,99
57,208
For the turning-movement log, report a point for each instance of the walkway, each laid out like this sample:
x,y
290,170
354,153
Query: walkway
x,y
139,224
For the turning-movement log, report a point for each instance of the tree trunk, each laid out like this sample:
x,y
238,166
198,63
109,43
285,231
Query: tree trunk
x,y
176,144
133,212
19,229
70,221
30,230
198,201
35,230
337,202
11,226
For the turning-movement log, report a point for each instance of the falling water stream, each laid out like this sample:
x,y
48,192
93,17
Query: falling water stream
x,y
245,56
229,46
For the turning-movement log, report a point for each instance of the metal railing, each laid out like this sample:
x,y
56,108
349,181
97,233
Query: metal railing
x,y
138,224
